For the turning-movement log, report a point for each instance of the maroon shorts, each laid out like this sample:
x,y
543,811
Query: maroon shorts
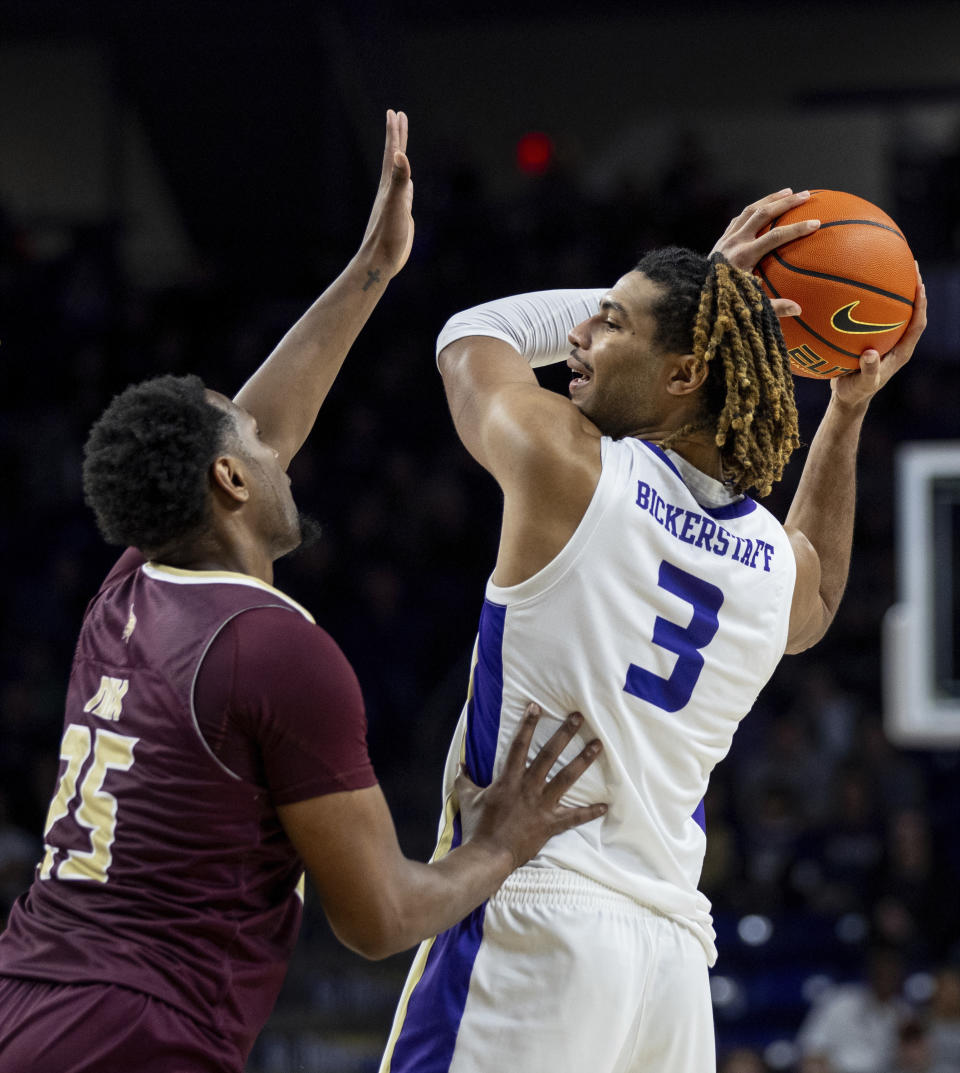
x,y
102,1028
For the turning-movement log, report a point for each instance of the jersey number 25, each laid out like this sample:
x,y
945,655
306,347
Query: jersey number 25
x,y
96,809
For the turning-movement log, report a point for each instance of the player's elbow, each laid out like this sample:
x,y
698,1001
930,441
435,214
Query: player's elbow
x,y
811,632
370,947
451,358
795,647
375,933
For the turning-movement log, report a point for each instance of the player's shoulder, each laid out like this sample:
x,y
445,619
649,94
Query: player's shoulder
x,y
274,652
131,560
279,635
276,623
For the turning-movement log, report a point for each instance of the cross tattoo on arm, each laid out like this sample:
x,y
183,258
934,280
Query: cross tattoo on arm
x,y
373,276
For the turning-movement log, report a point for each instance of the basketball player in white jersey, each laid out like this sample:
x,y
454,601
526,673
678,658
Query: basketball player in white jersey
x,y
636,580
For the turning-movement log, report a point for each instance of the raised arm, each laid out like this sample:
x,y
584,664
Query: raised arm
x,y
542,451
378,901
486,356
820,519
286,392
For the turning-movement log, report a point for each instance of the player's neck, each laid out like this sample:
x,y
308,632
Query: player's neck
x,y
699,450
234,557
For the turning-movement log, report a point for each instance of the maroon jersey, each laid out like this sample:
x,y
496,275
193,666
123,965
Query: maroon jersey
x,y
198,701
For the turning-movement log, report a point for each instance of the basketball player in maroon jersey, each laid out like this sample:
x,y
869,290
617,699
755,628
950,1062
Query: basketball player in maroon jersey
x,y
214,741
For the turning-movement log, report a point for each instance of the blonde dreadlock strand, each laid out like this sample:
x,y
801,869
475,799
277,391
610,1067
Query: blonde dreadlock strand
x,y
757,426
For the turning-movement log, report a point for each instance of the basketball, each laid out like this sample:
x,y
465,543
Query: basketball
x,y
854,280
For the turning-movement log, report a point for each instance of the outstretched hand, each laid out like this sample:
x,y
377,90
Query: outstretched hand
x,y
390,227
521,809
744,248
856,389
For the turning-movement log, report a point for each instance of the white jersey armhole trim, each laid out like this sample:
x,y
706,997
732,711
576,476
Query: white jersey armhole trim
x,y
788,598
566,558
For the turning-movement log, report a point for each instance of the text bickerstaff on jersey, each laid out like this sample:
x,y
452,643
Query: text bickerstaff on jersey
x,y
703,532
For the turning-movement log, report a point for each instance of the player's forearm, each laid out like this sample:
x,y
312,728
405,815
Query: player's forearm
x,y
285,394
459,882
422,900
824,505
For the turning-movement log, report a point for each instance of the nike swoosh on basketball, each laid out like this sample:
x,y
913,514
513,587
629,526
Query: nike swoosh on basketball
x,y
843,321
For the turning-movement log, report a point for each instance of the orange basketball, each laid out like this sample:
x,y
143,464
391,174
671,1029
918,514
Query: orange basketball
x,y
854,279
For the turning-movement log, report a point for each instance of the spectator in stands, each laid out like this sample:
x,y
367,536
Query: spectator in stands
x,y
815,1063
944,1020
914,1053
772,834
846,851
742,1060
913,907
854,1027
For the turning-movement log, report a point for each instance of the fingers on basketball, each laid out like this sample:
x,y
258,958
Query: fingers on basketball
x,y
854,277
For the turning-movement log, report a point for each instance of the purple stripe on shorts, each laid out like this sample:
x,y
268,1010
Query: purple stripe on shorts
x,y
429,1033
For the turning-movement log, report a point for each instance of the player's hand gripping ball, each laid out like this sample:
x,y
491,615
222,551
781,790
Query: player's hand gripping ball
x,y
854,278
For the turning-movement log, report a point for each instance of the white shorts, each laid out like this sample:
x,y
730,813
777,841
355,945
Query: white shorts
x,y
556,974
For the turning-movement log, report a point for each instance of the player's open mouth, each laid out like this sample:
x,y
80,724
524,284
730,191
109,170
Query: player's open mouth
x,y
580,374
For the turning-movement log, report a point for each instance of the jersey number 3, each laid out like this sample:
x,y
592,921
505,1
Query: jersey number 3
x,y
96,810
671,694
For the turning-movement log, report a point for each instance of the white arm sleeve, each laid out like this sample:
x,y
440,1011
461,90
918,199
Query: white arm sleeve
x,y
535,324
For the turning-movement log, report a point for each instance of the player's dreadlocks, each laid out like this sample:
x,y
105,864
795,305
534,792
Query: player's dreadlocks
x,y
720,314
146,462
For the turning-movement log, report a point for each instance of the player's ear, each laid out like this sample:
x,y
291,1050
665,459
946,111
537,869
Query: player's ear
x,y
227,478
686,375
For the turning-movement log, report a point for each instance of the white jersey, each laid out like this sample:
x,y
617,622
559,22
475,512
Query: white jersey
x,y
660,621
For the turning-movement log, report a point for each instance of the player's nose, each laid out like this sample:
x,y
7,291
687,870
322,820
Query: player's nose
x,y
580,335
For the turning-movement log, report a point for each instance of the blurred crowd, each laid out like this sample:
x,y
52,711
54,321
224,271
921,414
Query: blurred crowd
x,y
814,814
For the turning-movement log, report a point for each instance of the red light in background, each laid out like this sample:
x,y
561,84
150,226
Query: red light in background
x,y
534,153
